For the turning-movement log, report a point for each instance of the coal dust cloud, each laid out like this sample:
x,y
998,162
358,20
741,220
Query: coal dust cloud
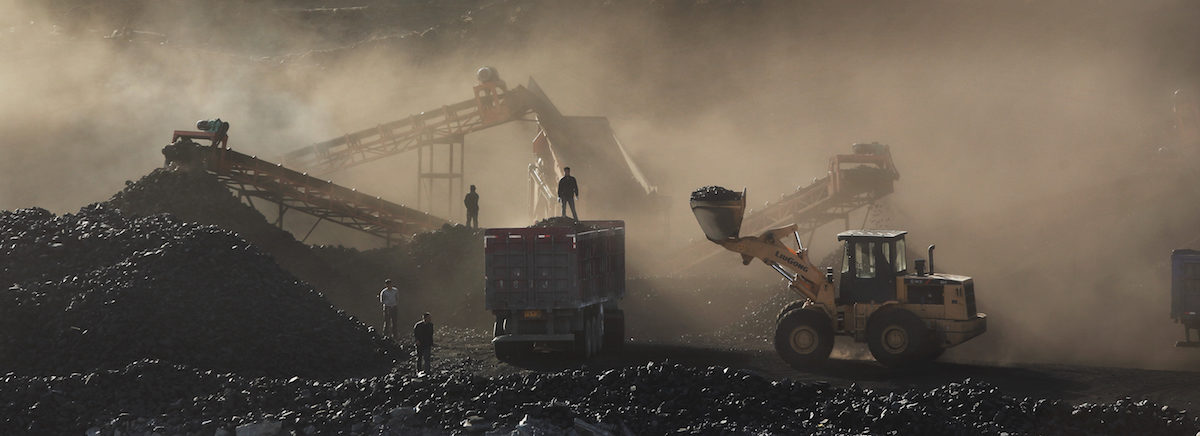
x,y
1036,141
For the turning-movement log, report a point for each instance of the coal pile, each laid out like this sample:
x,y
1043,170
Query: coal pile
x,y
655,398
715,193
98,290
196,196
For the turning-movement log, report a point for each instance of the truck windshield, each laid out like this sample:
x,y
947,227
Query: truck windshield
x,y
901,261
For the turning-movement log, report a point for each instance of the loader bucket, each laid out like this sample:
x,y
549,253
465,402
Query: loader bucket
x,y
720,220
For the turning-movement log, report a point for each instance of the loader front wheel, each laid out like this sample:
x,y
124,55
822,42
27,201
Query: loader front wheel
x,y
790,307
804,337
897,337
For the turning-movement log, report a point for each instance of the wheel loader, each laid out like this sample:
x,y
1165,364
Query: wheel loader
x,y
904,317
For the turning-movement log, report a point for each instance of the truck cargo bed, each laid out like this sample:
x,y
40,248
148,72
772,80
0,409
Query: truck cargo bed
x,y
558,267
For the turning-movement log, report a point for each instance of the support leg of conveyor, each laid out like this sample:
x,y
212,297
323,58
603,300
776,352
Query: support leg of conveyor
x,y
866,215
279,218
310,230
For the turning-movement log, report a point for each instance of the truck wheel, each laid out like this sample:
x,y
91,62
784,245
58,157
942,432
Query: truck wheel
x,y
804,337
583,340
508,351
614,330
791,306
897,337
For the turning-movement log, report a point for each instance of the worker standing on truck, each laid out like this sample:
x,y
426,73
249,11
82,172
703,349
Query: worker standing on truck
x,y
472,203
390,298
567,191
423,335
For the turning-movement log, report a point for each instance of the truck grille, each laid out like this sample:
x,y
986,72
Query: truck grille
x,y
969,290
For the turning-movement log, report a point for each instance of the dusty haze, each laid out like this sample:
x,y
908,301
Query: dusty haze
x,y
1026,134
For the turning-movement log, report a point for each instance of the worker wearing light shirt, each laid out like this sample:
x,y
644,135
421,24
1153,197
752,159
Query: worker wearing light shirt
x,y
390,298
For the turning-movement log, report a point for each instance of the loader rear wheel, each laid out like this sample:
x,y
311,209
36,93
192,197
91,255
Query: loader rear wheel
x,y
898,338
804,337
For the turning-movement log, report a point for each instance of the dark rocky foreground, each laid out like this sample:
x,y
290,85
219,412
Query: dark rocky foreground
x,y
657,398
98,290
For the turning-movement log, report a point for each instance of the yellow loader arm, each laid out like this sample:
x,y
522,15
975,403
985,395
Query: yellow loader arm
x,y
795,266
720,217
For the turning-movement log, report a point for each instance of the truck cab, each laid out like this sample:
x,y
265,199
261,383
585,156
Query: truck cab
x,y
871,262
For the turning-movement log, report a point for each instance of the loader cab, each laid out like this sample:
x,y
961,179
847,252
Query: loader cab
x,y
871,262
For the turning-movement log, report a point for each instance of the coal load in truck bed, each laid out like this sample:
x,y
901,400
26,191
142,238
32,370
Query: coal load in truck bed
x,y
98,289
562,221
715,193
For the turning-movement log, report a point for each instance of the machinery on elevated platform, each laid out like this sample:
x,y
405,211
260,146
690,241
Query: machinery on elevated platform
x,y
904,318
586,143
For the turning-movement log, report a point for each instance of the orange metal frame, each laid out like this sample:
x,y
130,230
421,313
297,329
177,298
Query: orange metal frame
x,y
492,105
249,177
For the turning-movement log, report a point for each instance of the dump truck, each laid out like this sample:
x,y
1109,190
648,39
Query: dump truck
x,y
904,317
1185,294
556,287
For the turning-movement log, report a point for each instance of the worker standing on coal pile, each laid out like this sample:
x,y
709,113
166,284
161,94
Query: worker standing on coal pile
x,y
423,335
472,203
567,191
390,298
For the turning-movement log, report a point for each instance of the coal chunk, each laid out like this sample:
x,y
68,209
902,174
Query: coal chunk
x,y
715,193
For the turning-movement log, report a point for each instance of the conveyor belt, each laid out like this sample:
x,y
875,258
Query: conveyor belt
x,y
292,190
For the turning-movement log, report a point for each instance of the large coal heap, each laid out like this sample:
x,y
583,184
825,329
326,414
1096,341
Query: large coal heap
x,y
655,398
97,290
436,270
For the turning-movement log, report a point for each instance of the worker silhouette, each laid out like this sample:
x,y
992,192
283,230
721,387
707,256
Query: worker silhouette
x,y
567,191
472,203
423,336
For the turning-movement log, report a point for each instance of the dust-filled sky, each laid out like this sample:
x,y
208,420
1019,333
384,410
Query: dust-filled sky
x,y
1026,133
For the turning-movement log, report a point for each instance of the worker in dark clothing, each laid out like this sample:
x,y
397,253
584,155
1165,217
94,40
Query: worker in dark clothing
x,y
472,203
423,334
567,191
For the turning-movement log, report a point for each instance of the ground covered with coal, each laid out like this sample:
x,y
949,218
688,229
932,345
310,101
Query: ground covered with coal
x,y
98,290
655,398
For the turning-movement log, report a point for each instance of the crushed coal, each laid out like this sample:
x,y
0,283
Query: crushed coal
x,y
654,398
562,221
98,290
715,193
